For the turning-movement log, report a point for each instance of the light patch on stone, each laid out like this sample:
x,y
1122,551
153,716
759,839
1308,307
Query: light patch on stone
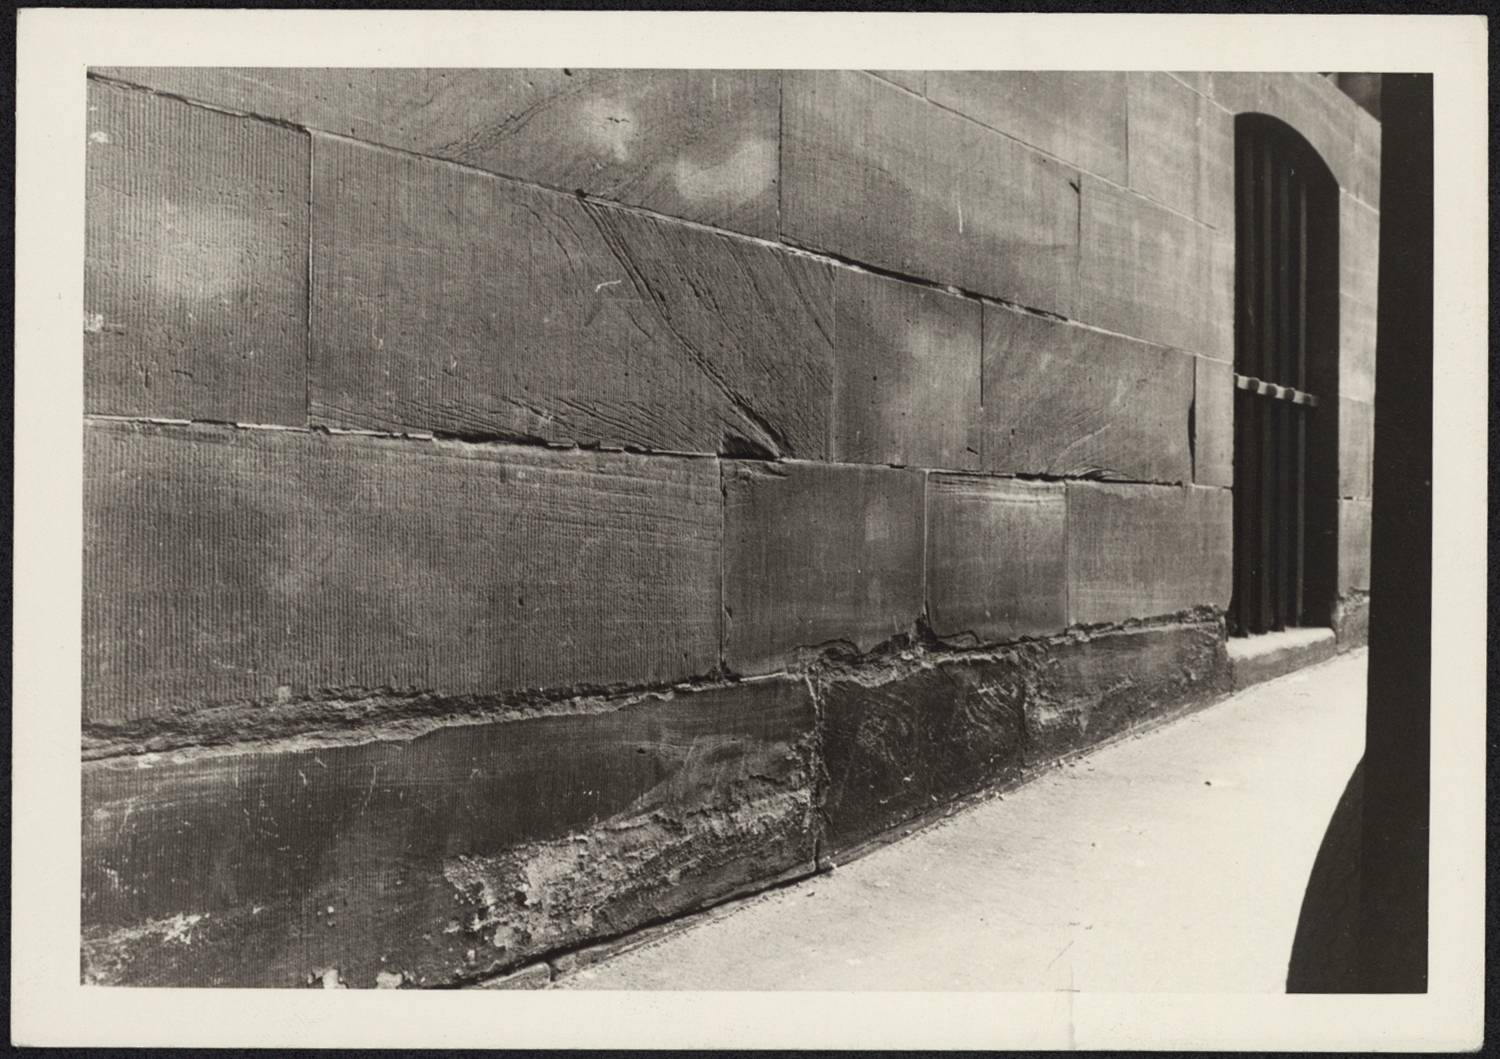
x,y
736,180
610,127
201,252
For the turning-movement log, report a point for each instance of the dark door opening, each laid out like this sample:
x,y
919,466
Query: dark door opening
x,y
1286,381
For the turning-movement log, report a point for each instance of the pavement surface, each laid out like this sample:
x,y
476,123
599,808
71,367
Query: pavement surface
x,y
1173,861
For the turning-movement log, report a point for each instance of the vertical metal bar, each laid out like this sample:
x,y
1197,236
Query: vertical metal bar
x,y
1244,339
1263,587
1299,484
1282,517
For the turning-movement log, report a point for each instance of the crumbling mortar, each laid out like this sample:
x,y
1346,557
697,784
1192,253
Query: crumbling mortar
x,y
345,716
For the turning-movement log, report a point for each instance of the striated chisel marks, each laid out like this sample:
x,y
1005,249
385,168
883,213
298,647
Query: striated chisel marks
x,y
1181,149
195,266
1143,550
1356,448
818,554
697,144
757,323
1213,422
994,558
419,859
1354,546
907,374
235,568
452,301
1155,275
1077,115
1067,401
873,173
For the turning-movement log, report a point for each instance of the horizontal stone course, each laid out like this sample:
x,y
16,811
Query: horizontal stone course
x,y
239,567
195,263
453,301
456,854
1067,401
698,144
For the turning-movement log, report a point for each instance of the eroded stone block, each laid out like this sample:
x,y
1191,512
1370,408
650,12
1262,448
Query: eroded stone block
x,y
899,748
1088,690
449,857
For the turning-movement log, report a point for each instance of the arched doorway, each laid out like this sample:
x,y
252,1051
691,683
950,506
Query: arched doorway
x,y
1286,380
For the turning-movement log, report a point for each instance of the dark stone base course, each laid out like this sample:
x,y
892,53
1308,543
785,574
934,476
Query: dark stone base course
x,y
895,748
477,849
455,855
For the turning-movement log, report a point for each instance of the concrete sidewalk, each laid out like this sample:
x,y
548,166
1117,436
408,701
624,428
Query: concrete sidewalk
x,y
1174,861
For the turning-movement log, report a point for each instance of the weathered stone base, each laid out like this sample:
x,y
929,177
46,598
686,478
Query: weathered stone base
x,y
1351,621
458,854
930,728
477,850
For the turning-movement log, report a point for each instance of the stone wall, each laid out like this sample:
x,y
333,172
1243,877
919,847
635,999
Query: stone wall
x,y
522,506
